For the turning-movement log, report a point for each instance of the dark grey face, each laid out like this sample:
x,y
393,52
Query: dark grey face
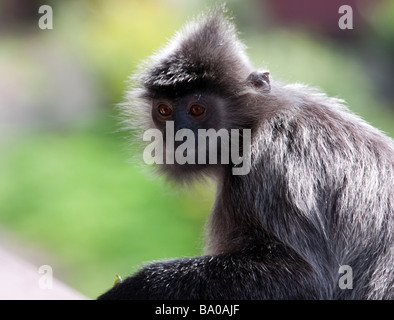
x,y
197,113
194,111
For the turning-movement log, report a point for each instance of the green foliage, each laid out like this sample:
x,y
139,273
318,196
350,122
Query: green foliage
x,y
76,194
113,36
383,23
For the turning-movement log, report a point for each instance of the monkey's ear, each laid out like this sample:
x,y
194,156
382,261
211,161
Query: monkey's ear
x,y
260,80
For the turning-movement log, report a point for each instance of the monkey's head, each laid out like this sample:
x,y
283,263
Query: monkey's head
x,y
201,80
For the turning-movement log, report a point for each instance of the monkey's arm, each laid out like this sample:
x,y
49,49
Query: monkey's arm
x,y
269,273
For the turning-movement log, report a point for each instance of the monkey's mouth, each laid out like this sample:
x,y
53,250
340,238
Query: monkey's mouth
x,y
184,154
206,148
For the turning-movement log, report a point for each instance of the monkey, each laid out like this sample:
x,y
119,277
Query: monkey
x,y
318,195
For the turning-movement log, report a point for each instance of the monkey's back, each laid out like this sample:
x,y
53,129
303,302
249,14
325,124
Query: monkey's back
x,y
329,170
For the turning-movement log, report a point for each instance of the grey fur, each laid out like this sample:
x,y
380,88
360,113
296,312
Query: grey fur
x,y
319,194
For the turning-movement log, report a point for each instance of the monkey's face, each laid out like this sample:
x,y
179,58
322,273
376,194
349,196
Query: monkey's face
x,y
186,124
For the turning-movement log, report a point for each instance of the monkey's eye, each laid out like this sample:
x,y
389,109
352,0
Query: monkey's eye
x,y
165,110
197,110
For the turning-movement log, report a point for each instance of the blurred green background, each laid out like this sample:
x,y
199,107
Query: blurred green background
x,y
69,195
